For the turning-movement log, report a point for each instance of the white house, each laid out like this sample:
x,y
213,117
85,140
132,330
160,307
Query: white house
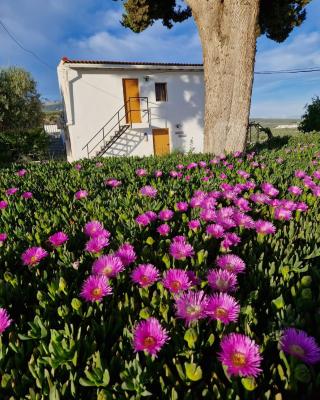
x,y
126,108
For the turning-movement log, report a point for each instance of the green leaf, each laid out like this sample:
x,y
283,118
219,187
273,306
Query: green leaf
x,y
278,302
191,337
249,384
150,241
193,371
302,373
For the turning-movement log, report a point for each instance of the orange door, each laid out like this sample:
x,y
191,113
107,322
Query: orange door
x,y
131,100
161,141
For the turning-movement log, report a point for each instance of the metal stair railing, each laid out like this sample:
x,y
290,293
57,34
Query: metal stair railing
x,y
115,121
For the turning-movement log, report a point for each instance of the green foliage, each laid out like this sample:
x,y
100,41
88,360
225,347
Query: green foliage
x,y
20,105
277,18
60,347
310,120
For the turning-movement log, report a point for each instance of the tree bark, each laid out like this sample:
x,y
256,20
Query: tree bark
x,y
228,31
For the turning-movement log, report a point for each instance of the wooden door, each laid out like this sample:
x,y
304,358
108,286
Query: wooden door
x,y
132,102
161,143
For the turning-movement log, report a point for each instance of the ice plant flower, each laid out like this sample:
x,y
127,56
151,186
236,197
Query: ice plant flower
x,y
165,215
176,280
33,256
149,191
222,280
223,307
58,238
97,244
145,275
95,287
27,195
149,336
5,320
141,172
194,224
3,204
11,191
297,343
269,189
3,238
191,306
142,220
215,230
265,227
295,190
240,355
282,214
180,248
81,194
163,229
231,263
109,266
113,183
158,174
230,239
182,206
93,229
22,172
126,253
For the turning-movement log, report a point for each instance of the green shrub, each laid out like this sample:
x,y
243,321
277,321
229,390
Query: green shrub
x,y
310,121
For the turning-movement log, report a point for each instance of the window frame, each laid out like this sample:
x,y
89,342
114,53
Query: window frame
x,y
165,85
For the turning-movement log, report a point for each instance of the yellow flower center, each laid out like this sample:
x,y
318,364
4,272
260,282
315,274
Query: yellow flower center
x,y
297,350
175,285
149,341
221,284
145,279
193,310
107,270
33,260
96,292
229,267
238,359
221,312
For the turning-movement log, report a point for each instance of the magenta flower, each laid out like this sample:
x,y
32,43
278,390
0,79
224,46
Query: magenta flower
x,y
5,320
230,239
244,220
109,266
191,306
265,227
299,174
94,229
149,191
269,189
222,280
240,355
22,172
243,174
231,263
182,206
259,198
165,215
149,336
208,215
194,224
145,275
176,280
143,220
99,164
180,249
297,343
151,215
126,253
282,214
223,307
163,229
193,278
3,237
95,288
3,204
33,256
158,174
215,230
295,190
97,244
11,191
27,195
58,238
113,183
81,194
316,174
141,172
301,206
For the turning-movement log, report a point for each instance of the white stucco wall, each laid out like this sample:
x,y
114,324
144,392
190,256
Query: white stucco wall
x,y
93,95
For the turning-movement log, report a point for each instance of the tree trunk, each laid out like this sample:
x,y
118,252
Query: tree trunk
x,y
228,30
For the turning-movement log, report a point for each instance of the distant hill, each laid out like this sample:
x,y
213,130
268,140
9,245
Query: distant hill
x,y
49,106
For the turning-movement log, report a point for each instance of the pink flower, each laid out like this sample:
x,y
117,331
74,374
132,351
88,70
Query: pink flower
x,y
27,195
194,224
282,214
81,194
269,189
145,275
58,238
243,174
141,172
301,206
149,191
242,204
11,191
222,280
21,172
265,227
230,239
158,174
231,263
300,174
176,280
99,164
33,256
77,167
151,215
165,215
191,306
3,204
182,206
126,253
5,320
149,336
94,229
240,355
97,244
3,238
113,183
95,288
215,230
143,220
223,307
109,266
163,229
295,190
244,220
180,248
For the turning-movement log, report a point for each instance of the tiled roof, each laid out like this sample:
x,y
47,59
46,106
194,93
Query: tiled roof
x,y
66,60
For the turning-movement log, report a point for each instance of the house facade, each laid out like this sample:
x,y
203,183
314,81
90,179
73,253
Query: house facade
x,y
123,108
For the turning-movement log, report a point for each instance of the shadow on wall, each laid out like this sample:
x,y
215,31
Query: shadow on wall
x,y
126,144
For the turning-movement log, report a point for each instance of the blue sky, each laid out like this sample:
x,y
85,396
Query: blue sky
x,y
90,29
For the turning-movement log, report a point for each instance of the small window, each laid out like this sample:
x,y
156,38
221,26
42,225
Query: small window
x,y
161,92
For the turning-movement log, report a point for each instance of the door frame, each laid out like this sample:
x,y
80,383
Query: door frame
x,y
160,129
128,115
